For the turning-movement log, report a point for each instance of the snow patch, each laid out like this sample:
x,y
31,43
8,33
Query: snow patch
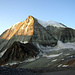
x,y
24,42
54,60
62,59
65,65
14,25
60,65
13,63
45,50
30,60
60,45
51,56
68,45
2,53
51,23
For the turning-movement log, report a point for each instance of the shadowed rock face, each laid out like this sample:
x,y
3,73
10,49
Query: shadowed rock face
x,y
19,52
63,34
67,35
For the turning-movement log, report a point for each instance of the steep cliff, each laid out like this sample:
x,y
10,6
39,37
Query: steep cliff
x,y
63,34
29,30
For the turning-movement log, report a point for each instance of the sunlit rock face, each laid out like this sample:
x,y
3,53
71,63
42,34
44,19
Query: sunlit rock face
x,y
21,28
29,30
18,32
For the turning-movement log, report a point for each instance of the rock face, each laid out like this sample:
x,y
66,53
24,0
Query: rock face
x,y
32,31
18,32
29,30
63,34
19,52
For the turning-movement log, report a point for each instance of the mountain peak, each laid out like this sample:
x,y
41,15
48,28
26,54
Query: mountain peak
x,y
30,17
24,39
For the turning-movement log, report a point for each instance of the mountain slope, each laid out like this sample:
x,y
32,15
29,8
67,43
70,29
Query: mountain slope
x,y
32,37
59,31
29,30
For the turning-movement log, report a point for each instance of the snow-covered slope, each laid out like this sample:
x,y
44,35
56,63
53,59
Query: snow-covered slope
x,y
51,23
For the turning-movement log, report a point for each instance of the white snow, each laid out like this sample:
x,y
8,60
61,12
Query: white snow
x,y
65,65
24,42
50,23
13,63
71,56
45,51
60,65
68,45
62,59
30,60
2,53
51,56
54,60
13,26
60,45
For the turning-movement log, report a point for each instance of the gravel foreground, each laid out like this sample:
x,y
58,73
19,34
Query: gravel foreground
x,y
44,71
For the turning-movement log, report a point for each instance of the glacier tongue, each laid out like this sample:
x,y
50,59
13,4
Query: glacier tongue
x,y
51,23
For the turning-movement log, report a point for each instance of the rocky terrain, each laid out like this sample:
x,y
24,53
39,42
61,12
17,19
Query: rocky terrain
x,y
19,52
37,44
45,71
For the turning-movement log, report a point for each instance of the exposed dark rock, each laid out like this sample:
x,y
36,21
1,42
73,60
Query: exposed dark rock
x,y
42,36
67,35
62,34
19,52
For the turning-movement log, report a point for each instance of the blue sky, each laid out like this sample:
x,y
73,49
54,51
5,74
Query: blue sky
x,y
13,11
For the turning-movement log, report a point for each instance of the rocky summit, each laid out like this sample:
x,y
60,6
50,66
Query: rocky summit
x,y
37,40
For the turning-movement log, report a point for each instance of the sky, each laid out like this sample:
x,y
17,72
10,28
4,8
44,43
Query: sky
x,y
13,11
